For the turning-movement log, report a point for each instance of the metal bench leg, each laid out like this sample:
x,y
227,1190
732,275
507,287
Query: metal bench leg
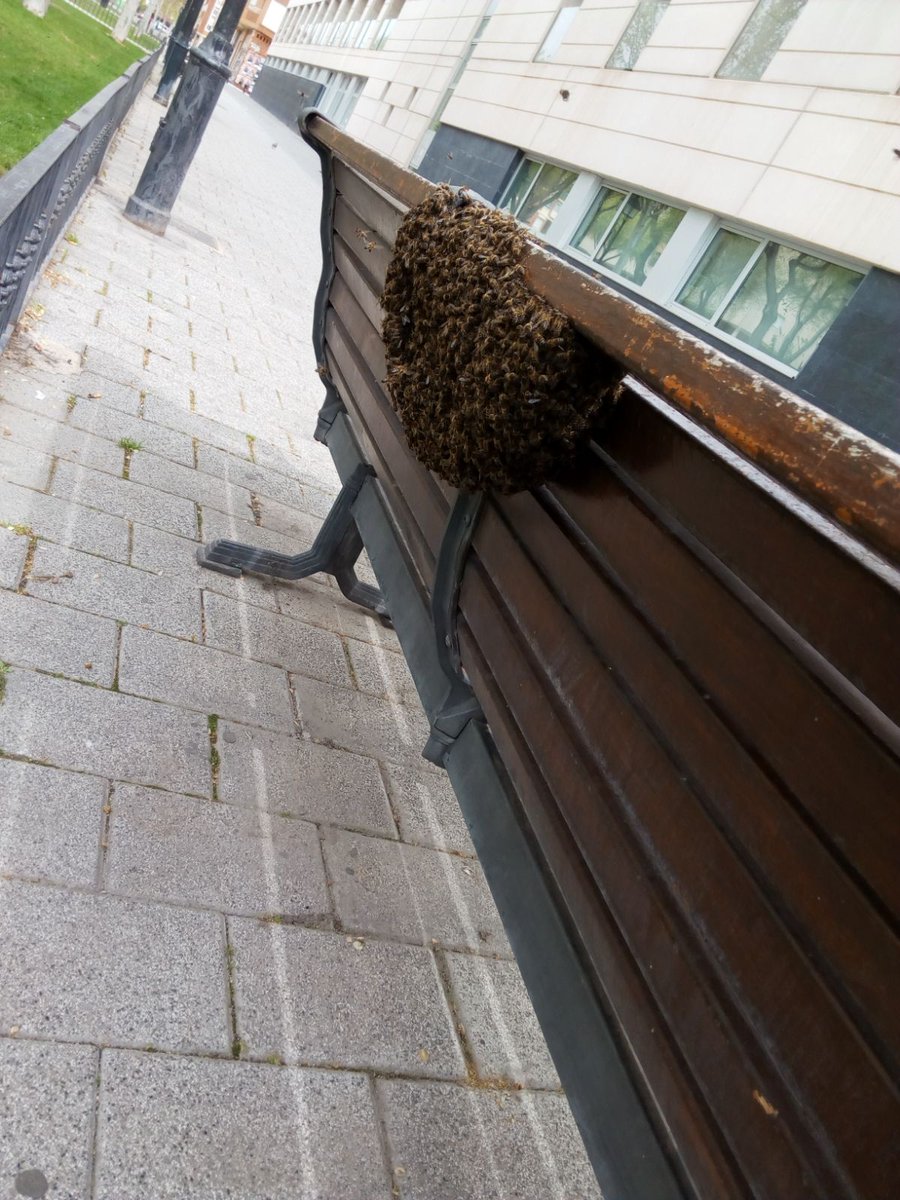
x,y
459,705
334,552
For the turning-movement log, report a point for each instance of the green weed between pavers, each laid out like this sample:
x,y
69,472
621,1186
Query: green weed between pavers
x,y
48,69
72,238
71,401
129,445
4,671
22,530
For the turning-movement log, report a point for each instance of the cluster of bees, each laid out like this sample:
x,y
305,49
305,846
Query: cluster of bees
x,y
494,387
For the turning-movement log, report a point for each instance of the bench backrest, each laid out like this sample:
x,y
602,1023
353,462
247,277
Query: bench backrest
x,y
687,656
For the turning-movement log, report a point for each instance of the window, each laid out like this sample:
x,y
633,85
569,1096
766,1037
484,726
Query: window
x,y
625,233
568,10
537,192
772,298
638,33
384,32
760,39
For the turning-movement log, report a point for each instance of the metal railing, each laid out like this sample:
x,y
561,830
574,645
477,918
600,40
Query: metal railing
x,y
39,194
107,14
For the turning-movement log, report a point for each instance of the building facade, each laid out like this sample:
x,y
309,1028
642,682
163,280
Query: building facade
x,y
734,164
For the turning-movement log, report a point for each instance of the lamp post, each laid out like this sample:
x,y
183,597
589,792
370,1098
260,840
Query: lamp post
x,y
180,131
176,51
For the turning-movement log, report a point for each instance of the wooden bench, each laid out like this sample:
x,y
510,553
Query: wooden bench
x,y
678,755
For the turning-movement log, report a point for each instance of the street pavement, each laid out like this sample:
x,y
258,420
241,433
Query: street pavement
x,y
239,959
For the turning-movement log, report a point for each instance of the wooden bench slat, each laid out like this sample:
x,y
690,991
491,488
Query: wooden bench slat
x,y
370,254
374,211
784,559
763,982
678,1106
370,352
410,476
669,818
691,1008
350,271
822,906
840,777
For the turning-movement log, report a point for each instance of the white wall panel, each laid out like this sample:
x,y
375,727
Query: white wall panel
x,y
840,148
845,219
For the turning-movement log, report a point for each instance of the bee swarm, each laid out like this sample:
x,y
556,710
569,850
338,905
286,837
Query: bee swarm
x,y
495,389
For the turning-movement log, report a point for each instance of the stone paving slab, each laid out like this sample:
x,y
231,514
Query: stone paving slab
x,y
60,440
316,502
382,673
70,524
23,466
53,638
46,1113
300,527
122,498
161,411
170,477
453,1143
50,823
172,1127
427,809
107,364
13,549
319,604
199,677
269,637
33,393
355,721
97,585
89,729
259,480
502,1032
301,779
108,970
96,417
280,457
419,895
195,852
90,386
321,998
126,353
219,403
126,321
176,557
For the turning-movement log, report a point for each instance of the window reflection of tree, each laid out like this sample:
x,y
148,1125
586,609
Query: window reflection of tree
x,y
809,295
648,234
550,189
716,275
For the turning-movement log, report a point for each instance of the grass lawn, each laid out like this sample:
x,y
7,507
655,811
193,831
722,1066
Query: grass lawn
x,y
48,69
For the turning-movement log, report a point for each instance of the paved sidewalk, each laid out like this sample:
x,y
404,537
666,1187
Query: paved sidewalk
x,y
246,949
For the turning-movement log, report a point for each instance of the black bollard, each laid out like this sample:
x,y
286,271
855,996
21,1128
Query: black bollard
x,y
176,51
180,131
